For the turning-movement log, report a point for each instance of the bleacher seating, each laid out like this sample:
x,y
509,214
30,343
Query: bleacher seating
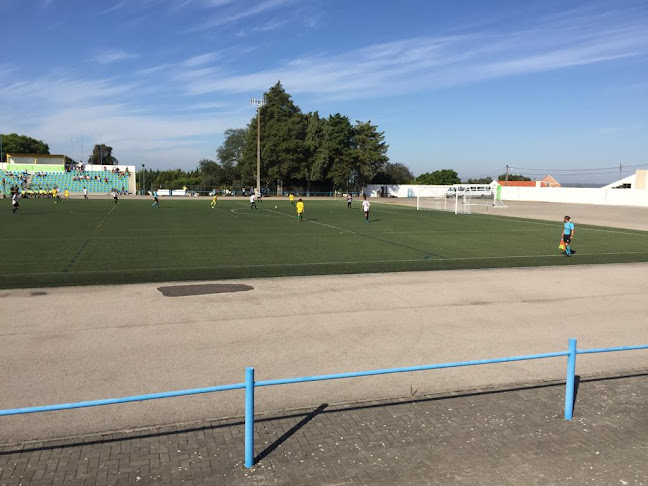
x,y
98,182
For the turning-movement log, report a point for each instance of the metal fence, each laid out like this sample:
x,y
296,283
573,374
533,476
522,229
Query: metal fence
x,y
250,384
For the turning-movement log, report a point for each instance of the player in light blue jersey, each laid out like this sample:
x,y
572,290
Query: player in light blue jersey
x,y
568,235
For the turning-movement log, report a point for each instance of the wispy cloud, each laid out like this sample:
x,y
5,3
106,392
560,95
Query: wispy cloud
x,y
116,6
205,106
62,91
242,11
106,110
436,62
201,59
267,27
216,3
111,56
615,130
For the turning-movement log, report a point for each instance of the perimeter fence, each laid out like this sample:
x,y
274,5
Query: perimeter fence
x,y
250,384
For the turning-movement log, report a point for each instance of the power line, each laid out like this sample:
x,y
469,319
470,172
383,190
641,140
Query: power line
x,y
488,174
591,170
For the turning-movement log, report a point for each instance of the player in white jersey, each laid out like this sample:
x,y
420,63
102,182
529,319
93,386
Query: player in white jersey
x,y
365,208
14,200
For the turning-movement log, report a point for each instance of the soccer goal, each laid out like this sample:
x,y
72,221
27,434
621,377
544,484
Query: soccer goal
x,y
463,199
454,202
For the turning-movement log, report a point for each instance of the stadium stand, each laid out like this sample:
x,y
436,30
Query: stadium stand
x,y
97,182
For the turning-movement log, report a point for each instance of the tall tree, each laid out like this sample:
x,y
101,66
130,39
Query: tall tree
x,y
338,146
230,155
370,149
102,155
316,165
211,174
439,178
393,174
283,129
177,178
21,144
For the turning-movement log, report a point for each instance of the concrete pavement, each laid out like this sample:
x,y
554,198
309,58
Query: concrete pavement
x,y
73,344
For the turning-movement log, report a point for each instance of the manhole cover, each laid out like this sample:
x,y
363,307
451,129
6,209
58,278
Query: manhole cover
x,y
203,289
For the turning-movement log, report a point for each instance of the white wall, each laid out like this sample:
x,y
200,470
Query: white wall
x,y
23,159
577,195
573,195
406,190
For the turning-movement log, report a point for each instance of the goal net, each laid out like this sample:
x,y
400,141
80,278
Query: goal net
x,y
455,203
463,199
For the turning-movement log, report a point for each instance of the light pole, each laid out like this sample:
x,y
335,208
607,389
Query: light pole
x,y
143,178
258,104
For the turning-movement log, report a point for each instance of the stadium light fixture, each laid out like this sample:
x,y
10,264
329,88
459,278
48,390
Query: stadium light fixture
x,y
258,104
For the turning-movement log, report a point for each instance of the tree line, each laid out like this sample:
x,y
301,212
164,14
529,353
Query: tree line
x,y
302,152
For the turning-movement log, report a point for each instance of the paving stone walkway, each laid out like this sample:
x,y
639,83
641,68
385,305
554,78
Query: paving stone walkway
x,y
486,437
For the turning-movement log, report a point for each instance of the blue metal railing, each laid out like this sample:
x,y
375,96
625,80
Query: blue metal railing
x,y
250,384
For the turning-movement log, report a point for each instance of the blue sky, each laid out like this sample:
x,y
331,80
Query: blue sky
x,y
468,85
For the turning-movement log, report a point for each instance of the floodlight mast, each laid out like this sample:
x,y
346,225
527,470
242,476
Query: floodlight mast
x,y
258,104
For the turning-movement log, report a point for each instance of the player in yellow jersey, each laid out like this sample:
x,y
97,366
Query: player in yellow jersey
x,y
300,210
292,198
55,195
66,194
214,201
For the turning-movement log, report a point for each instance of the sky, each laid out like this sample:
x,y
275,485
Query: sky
x,y
556,87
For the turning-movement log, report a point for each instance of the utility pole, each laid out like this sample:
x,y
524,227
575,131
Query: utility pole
x,y
620,171
258,104
507,173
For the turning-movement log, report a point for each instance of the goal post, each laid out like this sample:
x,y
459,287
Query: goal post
x,y
454,202
460,198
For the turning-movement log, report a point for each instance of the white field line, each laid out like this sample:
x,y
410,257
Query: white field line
x,y
354,262
246,212
543,223
106,216
383,211
301,235
314,222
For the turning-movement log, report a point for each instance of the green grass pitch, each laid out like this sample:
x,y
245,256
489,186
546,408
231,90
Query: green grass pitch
x,y
79,242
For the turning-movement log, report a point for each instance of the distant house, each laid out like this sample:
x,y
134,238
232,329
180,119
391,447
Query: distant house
x,y
547,181
550,181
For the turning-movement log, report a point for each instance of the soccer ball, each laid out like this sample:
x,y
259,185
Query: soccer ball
x,y
275,207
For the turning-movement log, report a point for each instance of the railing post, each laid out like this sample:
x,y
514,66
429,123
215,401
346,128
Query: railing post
x,y
249,417
571,378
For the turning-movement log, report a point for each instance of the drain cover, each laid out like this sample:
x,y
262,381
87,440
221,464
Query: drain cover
x,y
202,289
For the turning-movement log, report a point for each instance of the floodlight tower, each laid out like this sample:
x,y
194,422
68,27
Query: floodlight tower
x,y
258,104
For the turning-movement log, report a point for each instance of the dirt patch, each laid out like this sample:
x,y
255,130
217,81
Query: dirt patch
x,y
202,289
